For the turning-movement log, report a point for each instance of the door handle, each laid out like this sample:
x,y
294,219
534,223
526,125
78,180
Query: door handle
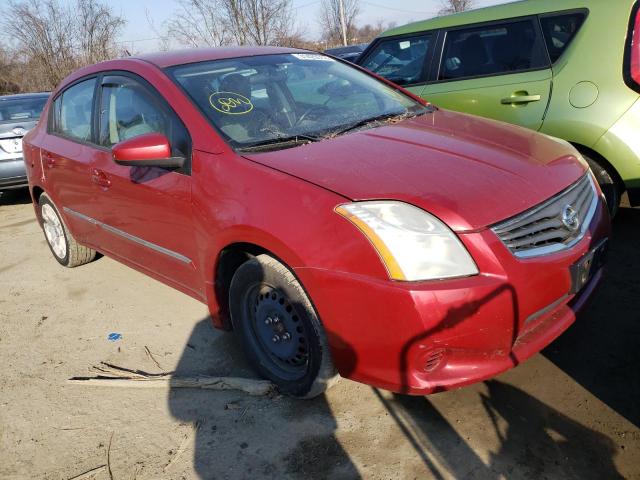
x,y
516,99
100,178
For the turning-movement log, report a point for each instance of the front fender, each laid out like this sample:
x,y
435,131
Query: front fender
x,y
236,200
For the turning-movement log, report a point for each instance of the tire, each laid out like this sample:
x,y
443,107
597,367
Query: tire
x,y
608,184
279,329
65,249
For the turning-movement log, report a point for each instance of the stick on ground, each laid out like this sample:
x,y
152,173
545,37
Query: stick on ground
x,y
109,457
247,385
150,355
109,375
183,444
88,474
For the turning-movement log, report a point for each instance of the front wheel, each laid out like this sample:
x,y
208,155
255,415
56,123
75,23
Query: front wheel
x,y
608,184
279,328
63,246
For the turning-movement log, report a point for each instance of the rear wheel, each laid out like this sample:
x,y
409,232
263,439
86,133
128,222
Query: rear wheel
x,y
279,328
608,184
63,246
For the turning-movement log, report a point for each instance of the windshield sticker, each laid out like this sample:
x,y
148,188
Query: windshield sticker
x,y
404,45
312,56
230,103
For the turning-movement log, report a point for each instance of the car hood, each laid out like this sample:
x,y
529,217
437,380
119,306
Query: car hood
x,y
468,171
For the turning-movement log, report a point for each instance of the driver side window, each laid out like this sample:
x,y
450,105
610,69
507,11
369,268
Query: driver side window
x,y
128,110
401,60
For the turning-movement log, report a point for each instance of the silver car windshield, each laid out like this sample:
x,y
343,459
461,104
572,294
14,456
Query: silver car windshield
x,y
279,101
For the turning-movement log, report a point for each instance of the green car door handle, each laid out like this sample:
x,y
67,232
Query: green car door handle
x,y
520,99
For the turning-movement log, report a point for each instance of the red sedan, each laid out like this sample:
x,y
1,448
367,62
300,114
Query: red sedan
x,y
336,222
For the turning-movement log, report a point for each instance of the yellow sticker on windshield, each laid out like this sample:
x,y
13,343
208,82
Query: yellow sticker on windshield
x,y
230,103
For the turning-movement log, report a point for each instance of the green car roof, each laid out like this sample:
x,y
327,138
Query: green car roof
x,y
487,14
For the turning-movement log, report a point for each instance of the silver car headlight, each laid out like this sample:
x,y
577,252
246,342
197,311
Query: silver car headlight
x,y
413,244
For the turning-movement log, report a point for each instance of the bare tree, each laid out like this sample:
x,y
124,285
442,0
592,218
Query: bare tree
x,y
260,22
331,20
8,73
198,23
96,29
215,23
454,6
51,40
368,32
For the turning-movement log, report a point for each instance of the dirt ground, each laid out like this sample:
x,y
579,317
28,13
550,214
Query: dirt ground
x,y
571,412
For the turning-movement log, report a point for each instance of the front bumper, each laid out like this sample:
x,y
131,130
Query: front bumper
x,y
424,337
13,173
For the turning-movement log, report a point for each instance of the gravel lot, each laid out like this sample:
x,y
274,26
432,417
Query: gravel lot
x,y
572,412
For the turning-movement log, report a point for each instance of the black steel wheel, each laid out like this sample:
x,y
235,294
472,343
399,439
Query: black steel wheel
x,y
279,329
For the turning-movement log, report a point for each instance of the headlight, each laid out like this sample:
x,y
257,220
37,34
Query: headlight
x,y
412,244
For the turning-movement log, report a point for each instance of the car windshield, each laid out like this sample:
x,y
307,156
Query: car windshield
x,y
21,109
269,102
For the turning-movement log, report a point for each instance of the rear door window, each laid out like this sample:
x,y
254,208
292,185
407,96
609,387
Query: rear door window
x,y
559,31
401,60
492,50
72,111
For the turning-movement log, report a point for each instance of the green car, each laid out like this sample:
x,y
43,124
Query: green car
x,y
569,68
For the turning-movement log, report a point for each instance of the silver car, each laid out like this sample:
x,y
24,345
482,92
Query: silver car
x,y
18,114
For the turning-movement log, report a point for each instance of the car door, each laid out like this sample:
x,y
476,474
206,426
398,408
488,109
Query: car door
x,y
144,213
404,60
499,70
66,156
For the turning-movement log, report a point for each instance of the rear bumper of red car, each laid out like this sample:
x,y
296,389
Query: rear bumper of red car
x,y
424,337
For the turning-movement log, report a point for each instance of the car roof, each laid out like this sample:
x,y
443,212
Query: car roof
x,y
179,57
175,57
487,14
18,96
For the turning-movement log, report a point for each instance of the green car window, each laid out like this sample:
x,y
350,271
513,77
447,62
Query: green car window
x,y
492,50
559,31
400,60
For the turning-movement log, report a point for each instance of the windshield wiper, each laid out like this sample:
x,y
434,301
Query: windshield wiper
x,y
283,142
367,121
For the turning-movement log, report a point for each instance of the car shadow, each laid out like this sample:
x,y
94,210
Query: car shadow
x,y
600,351
240,436
534,439
18,196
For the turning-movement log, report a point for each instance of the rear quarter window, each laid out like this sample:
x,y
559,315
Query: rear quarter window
x,y
559,30
72,111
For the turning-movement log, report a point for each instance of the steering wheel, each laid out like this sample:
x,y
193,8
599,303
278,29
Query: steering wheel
x,y
309,111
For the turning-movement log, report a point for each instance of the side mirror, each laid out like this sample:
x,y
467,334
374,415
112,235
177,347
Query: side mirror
x,y
148,150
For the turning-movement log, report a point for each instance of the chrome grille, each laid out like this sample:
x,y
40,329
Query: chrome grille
x,y
554,225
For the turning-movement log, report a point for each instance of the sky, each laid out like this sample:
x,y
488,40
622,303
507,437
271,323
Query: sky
x,y
139,36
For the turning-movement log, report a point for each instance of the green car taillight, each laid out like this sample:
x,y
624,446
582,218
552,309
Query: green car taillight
x,y
632,53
